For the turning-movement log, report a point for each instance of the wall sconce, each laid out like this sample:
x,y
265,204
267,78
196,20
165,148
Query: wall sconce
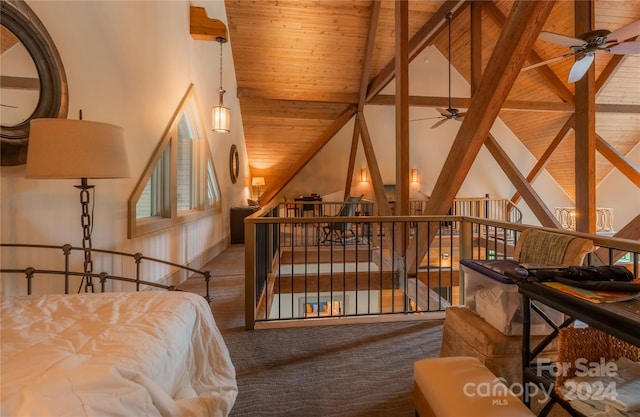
x,y
414,175
221,115
363,175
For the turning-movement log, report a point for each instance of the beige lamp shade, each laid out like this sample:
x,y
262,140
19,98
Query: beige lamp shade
x,y
63,148
257,181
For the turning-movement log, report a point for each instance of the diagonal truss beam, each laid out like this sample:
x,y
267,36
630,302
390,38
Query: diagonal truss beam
x,y
546,156
545,72
352,158
376,178
417,43
364,79
517,37
618,160
533,200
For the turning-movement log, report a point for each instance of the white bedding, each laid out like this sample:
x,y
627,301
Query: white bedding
x,y
119,354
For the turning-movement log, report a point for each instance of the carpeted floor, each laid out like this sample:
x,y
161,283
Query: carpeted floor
x,y
345,370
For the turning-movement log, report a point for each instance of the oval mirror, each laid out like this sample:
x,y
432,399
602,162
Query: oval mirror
x,y
234,164
32,80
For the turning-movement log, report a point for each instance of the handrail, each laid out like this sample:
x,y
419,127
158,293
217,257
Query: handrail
x,y
138,258
284,258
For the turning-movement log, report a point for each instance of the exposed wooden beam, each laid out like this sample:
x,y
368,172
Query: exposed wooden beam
x,y
322,140
608,72
305,96
618,160
630,231
352,158
376,178
464,102
515,105
545,72
546,156
514,44
364,79
371,43
402,108
476,44
533,200
418,42
617,108
585,131
203,28
430,101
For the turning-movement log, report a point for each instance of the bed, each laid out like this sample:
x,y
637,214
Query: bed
x,y
147,353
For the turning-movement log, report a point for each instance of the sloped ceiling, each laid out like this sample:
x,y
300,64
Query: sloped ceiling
x,y
299,66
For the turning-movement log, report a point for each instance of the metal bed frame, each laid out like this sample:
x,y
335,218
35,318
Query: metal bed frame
x,y
30,272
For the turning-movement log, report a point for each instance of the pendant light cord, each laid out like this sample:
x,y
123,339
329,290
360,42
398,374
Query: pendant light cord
x,y
220,89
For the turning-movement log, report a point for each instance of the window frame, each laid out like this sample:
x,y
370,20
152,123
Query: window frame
x,y
169,215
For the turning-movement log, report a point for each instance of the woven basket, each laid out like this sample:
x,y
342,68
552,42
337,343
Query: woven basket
x,y
590,344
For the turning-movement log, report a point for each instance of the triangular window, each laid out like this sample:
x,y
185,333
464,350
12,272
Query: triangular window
x,y
179,184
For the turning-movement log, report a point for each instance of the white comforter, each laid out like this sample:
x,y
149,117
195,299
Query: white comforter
x,y
120,354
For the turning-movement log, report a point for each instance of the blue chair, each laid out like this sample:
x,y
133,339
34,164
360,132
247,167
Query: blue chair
x,y
340,231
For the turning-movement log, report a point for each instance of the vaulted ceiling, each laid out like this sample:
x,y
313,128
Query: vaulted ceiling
x,y
304,67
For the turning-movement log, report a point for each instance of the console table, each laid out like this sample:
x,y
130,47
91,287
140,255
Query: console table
x,y
237,221
621,320
312,204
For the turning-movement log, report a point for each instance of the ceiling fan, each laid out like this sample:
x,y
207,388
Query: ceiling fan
x,y
450,112
586,45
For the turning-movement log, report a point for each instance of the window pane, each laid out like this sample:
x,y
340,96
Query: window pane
x,y
213,193
143,206
151,200
186,165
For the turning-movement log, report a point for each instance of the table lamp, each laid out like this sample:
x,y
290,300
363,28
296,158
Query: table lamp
x,y
257,182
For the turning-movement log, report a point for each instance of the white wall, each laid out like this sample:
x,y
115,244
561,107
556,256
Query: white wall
x,y
130,64
618,193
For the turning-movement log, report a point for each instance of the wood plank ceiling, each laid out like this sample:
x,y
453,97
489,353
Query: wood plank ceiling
x,y
299,66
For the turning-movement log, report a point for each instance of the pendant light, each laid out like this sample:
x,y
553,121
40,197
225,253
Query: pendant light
x,y
221,115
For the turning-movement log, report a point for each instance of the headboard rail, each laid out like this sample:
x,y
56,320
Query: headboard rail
x,y
31,272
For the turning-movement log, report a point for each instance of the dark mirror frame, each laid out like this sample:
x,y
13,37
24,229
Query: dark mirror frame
x,y
234,164
18,17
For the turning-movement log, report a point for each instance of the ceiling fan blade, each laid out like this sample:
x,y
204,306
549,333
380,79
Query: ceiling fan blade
x,y
438,123
561,39
425,118
580,68
625,32
444,112
460,116
548,61
624,48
